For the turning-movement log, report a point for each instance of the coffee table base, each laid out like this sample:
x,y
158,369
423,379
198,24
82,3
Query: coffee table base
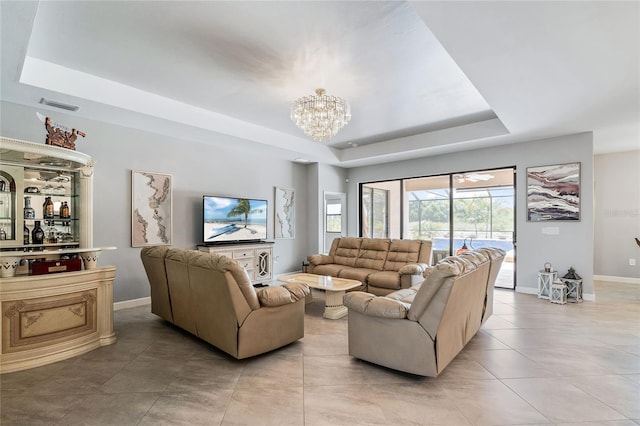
x,y
333,307
334,289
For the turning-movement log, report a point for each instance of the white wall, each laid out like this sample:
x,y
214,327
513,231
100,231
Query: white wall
x,y
574,244
222,166
617,214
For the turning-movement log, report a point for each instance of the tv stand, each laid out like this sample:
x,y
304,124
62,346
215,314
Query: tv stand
x,y
256,258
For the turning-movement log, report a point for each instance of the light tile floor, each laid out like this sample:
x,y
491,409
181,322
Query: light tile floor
x,y
532,363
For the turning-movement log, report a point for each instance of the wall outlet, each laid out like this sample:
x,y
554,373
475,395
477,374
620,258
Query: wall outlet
x,y
632,262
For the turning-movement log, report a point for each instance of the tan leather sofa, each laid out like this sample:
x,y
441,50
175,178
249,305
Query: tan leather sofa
x,y
382,265
212,297
420,330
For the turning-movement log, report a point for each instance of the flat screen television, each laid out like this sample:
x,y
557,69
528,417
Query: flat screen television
x,y
228,219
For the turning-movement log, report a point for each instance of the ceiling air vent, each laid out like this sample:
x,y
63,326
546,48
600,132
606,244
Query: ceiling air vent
x,y
57,104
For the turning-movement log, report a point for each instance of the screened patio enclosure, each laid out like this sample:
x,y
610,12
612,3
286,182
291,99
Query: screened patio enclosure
x,y
457,211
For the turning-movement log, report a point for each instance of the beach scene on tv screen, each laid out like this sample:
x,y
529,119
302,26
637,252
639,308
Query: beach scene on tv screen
x,y
234,219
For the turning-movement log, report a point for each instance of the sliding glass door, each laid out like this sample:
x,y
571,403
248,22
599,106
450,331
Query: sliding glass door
x,y
484,215
427,212
461,211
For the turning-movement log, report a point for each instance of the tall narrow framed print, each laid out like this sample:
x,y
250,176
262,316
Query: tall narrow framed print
x,y
285,213
151,208
553,192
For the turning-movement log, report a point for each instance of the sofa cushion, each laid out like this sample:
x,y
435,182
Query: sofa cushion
x,y
413,269
492,252
282,295
430,287
359,274
384,279
405,295
332,269
153,261
372,305
402,252
298,291
465,264
239,274
177,267
373,253
347,251
320,259
476,257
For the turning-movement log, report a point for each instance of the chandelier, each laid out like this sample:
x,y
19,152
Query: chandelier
x,y
320,116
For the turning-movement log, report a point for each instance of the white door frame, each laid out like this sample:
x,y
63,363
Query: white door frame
x,y
330,198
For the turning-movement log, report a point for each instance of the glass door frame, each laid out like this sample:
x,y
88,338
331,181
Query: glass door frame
x,y
450,176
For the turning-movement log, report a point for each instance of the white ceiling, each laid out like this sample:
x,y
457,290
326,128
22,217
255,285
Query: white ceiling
x,y
423,78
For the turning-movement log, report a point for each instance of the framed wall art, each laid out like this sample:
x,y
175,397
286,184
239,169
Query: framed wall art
x,y
553,192
285,213
151,208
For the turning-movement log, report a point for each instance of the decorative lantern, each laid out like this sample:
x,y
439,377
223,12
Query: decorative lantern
x,y
572,275
573,281
558,292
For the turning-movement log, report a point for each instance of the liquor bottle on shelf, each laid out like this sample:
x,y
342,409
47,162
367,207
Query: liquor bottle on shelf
x,y
51,233
37,235
65,212
3,233
47,208
29,212
25,235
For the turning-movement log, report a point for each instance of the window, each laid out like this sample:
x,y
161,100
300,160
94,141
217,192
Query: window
x,y
334,218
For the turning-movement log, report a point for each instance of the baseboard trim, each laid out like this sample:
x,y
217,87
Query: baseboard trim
x,y
131,303
626,280
591,297
527,290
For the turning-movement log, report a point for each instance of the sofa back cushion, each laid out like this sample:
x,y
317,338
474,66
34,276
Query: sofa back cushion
x,y
426,247
177,266
373,253
153,261
462,316
450,303
402,252
334,246
221,281
496,256
347,250
425,298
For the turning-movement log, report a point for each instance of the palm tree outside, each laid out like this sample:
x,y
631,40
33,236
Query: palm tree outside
x,y
243,208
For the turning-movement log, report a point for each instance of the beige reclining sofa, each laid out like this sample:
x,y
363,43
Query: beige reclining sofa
x,y
382,265
212,297
420,330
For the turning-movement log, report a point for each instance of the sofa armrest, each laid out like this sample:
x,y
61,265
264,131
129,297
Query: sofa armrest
x,y
282,295
375,306
413,269
320,259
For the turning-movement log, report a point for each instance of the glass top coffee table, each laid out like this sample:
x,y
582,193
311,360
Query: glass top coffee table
x,y
334,290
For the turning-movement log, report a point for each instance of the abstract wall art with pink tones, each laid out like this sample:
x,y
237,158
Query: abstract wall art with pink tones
x,y
553,192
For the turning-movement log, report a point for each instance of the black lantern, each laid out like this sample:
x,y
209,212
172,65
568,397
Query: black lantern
x,y
572,275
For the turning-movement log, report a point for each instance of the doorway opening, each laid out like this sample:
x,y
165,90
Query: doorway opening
x,y
335,218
